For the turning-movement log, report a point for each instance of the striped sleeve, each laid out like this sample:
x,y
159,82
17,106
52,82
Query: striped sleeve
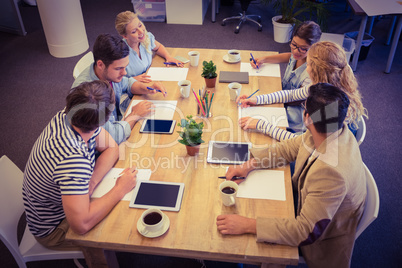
x,y
284,96
277,133
73,175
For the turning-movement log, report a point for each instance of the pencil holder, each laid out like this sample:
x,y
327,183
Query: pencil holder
x,y
205,112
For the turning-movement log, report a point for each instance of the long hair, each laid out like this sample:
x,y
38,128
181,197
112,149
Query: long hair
x,y
121,22
309,31
328,64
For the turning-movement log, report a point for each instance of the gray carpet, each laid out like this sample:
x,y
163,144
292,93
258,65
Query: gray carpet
x,y
34,86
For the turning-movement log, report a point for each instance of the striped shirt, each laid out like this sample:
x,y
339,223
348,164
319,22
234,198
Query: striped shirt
x,y
60,163
282,96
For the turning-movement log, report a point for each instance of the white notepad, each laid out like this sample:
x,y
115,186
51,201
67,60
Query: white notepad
x,y
263,184
109,181
163,109
266,69
275,115
167,74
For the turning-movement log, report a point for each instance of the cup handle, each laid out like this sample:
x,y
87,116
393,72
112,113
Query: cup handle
x,y
232,200
144,231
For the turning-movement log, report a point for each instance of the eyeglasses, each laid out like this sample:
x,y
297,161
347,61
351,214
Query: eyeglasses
x,y
300,49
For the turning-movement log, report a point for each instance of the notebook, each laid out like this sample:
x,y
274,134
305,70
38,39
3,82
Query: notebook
x,y
229,77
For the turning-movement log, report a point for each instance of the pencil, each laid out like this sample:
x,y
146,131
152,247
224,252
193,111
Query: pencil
x,y
253,93
199,103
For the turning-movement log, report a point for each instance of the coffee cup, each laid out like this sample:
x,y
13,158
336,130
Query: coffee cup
x,y
234,90
152,220
184,86
234,55
194,57
228,190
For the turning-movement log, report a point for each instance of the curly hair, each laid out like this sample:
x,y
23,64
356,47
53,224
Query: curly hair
x,y
121,22
329,65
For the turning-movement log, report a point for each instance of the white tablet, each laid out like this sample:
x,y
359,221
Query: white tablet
x,y
159,126
220,152
157,194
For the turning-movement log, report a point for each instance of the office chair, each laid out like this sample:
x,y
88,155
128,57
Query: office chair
x,y
371,209
11,209
361,131
83,63
243,17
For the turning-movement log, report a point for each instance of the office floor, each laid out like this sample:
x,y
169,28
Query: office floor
x,y
34,85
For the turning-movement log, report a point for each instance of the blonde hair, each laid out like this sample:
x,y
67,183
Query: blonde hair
x,y
121,22
328,64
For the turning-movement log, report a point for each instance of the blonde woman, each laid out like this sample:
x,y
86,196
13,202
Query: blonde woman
x,y
142,45
326,63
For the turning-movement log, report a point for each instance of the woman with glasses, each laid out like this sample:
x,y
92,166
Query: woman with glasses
x,y
326,63
304,35
142,44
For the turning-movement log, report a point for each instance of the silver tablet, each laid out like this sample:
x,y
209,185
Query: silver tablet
x,y
157,194
221,152
159,126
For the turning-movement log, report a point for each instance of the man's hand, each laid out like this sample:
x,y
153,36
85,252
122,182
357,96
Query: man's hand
x,y
158,86
235,224
244,102
127,181
248,123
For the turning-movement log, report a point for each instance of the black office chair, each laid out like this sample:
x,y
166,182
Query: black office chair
x,y
243,17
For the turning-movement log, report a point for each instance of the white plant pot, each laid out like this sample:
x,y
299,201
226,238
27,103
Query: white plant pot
x,y
282,31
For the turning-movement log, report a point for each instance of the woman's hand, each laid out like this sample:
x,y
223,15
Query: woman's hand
x,y
248,123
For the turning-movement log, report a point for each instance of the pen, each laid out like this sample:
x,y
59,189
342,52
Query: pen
x,y
233,178
253,93
150,88
254,61
169,63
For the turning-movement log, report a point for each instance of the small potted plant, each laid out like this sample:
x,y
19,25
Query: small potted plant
x,y
209,73
191,134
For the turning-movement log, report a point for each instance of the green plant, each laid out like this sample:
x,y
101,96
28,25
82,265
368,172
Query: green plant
x,y
296,11
209,70
191,132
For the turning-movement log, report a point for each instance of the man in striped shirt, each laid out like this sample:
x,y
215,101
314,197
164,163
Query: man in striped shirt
x,y
61,172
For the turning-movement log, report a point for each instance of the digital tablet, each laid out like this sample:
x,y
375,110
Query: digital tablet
x,y
158,126
220,152
157,194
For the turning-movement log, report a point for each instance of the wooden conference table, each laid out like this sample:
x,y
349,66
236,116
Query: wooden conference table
x,y
193,232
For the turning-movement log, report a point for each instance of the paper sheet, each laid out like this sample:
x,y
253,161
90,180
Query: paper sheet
x,y
163,109
275,115
263,184
167,74
266,69
109,181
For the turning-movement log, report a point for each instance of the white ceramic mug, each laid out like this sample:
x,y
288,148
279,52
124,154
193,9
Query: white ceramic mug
x,y
185,86
152,219
228,197
194,57
234,90
234,55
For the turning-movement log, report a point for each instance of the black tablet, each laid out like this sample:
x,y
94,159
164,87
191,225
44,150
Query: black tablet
x,y
157,194
158,126
220,152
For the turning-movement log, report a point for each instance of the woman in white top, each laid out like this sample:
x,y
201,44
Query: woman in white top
x,y
326,63
142,45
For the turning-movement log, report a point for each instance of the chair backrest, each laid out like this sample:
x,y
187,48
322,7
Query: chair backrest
x,y
83,63
361,131
11,205
372,204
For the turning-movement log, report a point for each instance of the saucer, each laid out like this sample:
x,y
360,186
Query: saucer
x,y
226,59
165,227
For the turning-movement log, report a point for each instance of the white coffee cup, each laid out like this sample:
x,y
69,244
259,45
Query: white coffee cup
x,y
234,55
194,57
152,219
184,86
234,90
228,190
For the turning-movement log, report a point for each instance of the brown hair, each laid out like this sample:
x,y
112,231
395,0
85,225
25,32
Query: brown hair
x,y
89,105
309,31
329,65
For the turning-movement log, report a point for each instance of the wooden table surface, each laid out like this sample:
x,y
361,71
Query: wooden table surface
x,y
193,232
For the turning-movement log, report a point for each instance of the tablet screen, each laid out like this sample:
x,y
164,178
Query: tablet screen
x,y
228,152
158,126
154,194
